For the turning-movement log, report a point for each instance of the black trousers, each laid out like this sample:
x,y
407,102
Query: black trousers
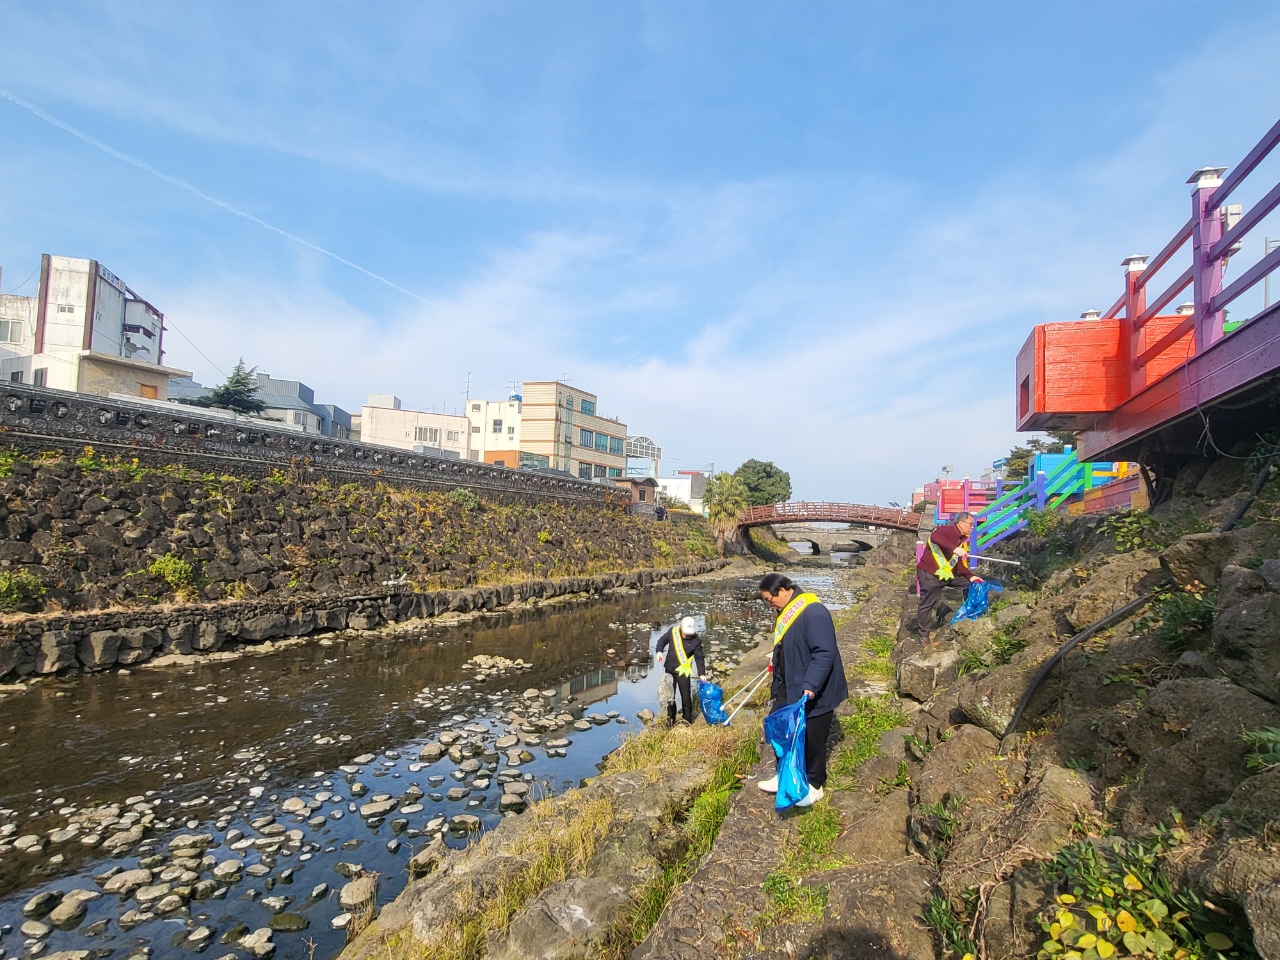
x,y
930,593
686,700
817,731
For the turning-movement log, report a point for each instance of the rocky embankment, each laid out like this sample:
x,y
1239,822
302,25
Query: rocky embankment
x,y
1133,809
107,563
90,533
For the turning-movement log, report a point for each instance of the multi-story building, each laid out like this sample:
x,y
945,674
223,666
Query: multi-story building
x,y
688,487
495,433
85,330
384,422
561,423
291,402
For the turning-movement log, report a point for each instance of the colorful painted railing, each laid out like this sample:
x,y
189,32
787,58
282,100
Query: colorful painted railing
x,y
1008,514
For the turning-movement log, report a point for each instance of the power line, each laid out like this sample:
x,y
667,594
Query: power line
x,y
171,326
190,188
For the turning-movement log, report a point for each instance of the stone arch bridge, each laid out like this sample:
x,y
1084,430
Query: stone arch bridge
x,y
824,540
866,526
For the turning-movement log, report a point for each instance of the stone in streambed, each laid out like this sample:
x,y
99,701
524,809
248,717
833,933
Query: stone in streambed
x,y
358,893
258,944
68,914
39,905
289,923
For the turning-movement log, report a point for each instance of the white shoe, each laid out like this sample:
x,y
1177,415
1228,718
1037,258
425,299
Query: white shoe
x,y
813,796
769,786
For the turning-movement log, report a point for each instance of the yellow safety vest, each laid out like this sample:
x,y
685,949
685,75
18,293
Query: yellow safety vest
x,y
789,613
945,571
685,669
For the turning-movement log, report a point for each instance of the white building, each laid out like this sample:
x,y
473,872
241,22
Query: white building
x,y
688,488
382,421
85,331
495,431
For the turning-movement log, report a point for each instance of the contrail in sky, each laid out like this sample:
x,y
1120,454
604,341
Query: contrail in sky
x,y
174,181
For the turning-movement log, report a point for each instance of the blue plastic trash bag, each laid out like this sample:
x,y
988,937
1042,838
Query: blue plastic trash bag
x,y
975,601
785,730
709,697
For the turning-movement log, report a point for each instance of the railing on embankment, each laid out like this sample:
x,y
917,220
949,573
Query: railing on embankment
x,y
1051,490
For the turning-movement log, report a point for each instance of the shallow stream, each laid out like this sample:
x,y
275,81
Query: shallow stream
x,y
274,758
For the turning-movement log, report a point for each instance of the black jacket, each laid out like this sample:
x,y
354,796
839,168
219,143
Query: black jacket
x,y
808,659
692,650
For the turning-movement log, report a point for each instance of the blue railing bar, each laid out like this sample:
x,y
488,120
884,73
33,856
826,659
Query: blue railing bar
x,y
1246,223
1245,167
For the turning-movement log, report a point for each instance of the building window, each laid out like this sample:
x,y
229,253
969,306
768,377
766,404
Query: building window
x,y
643,494
146,391
615,471
475,408
511,431
568,403
40,376
299,418
615,445
426,434
588,407
586,438
584,471
602,442
497,426
10,331
66,308
499,463
15,377
475,429
454,436
599,470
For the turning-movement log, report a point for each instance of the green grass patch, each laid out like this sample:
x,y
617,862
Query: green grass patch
x,y
862,728
20,589
792,902
1004,646
875,664
703,823
950,930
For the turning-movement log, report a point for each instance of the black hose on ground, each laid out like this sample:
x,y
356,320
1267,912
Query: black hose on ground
x,y
1263,475
1110,620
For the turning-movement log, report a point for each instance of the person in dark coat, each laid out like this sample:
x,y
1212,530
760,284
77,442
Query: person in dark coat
x,y
946,544
682,668
806,663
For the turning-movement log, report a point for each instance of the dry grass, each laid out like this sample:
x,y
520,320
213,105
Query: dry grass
x,y
664,745
556,847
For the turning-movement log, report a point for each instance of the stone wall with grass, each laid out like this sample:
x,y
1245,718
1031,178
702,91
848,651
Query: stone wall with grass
x,y
85,533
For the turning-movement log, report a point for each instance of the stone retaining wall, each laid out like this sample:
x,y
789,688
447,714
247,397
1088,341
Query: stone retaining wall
x,y
66,643
33,420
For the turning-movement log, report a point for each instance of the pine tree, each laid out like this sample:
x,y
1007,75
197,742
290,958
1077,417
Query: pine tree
x,y
238,393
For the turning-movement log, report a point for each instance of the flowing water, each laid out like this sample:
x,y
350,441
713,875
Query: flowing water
x,y
274,756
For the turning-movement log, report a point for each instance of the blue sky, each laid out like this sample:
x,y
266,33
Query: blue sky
x,y
813,233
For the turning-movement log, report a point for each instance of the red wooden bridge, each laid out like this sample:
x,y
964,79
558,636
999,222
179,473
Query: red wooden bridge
x,y
823,512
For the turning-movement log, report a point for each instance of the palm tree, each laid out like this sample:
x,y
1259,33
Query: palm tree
x,y
725,499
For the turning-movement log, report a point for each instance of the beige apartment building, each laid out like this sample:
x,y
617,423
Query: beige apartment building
x,y
562,424
495,433
382,421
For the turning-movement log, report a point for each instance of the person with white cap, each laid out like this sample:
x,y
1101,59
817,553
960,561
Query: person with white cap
x,y
679,650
